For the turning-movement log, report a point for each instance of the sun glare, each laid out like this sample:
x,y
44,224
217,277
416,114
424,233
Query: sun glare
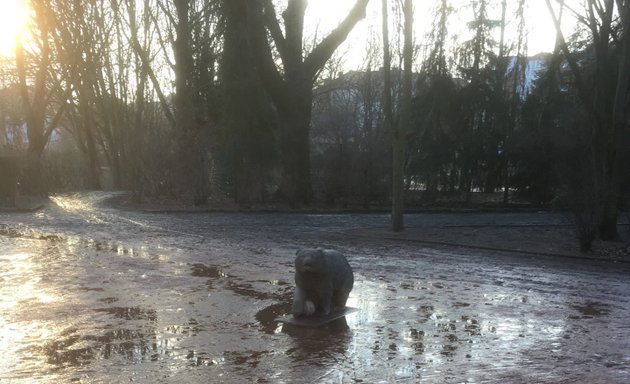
x,y
13,18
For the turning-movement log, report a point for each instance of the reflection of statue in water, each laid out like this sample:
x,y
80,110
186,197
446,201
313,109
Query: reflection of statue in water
x,y
323,281
325,344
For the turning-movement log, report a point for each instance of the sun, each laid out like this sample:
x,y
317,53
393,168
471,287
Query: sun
x,y
13,20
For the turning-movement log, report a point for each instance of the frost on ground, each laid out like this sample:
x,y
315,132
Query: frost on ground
x,y
91,293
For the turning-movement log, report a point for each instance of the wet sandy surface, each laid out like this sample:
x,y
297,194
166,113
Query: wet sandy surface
x,y
97,295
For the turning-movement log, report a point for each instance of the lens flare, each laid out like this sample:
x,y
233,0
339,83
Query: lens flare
x,y
13,20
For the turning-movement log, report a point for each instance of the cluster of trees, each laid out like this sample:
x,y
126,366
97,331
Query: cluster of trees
x,y
186,98
483,120
200,99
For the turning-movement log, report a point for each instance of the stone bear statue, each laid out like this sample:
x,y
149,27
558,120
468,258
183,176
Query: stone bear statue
x,y
323,281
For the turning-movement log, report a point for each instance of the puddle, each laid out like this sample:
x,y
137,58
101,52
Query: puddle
x,y
78,351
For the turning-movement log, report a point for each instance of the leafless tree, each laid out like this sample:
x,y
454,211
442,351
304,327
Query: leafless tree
x,y
40,93
290,84
605,99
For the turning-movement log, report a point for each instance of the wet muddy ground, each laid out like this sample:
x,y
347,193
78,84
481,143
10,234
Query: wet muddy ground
x,y
93,294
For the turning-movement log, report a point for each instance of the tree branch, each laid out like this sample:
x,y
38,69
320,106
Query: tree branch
x,y
324,50
584,95
294,31
257,36
622,96
272,24
144,59
21,70
59,114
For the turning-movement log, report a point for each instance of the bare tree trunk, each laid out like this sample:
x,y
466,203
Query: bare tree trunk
x,y
399,131
388,121
145,59
135,158
136,145
291,89
608,114
35,100
250,145
193,167
88,125
294,126
502,72
608,227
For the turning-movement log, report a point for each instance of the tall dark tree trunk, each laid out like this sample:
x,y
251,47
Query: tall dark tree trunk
x,y
88,125
136,144
35,102
501,80
291,88
294,121
247,113
191,142
404,124
388,119
607,110
620,113
518,78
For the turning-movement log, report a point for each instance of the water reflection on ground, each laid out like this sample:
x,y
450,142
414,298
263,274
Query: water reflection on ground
x,y
157,307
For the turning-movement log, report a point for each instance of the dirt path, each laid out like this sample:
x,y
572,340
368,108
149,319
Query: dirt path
x,y
98,295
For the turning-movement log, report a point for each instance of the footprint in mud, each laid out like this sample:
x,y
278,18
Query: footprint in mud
x,y
471,326
130,313
417,340
416,286
589,310
202,270
112,247
211,272
251,359
108,300
248,290
189,329
200,359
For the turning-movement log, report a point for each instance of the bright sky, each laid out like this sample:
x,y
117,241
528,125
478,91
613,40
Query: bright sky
x,y
13,18
326,14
